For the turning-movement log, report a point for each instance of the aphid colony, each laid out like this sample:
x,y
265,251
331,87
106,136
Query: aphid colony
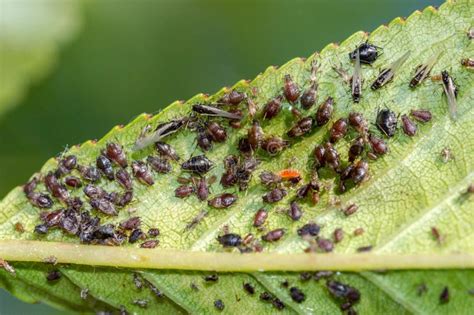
x,y
208,123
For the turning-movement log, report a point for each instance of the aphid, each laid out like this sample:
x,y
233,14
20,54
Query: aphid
x,y
408,126
137,281
278,304
5,265
260,217
266,296
222,201
318,153
338,130
343,291
368,53
269,178
338,235
103,205
53,275
309,229
92,191
230,240
248,239
444,296
322,274
202,190
211,278
229,178
73,182
386,75
19,227
275,195
161,131
331,156
437,235
166,150
143,303
66,165
84,293
195,221
351,209
251,107
105,166
55,188
40,200
153,232
357,121
290,89
359,231
356,149
295,211
364,249
303,126
41,229
274,145
159,165
446,155
131,224
423,71
297,295
356,84
217,132
52,218
470,189
272,108
308,98
343,74
305,276
219,305
421,289
214,111
249,288
421,115
114,152
136,235
324,112
244,146
30,186
326,245
360,171
89,173
468,62
451,92
141,172
149,244
378,145
124,179
387,122
198,164
233,98
290,174
470,33
273,235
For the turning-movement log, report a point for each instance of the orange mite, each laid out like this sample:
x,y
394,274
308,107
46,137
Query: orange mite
x,y
289,174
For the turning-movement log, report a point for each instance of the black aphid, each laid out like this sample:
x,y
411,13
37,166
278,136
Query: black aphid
x,y
249,288
295,212
219,305
266,296
124,179
331,156
356,84
141,172
444,296
137,280
356,149
324,112
40,200
364,249
56,189
272,108
41,229
278,304
204,140
153,232
165,150
343,291
386,75
274,195
387,122
217,132
103,205
211,278
66,165
214,111
159,165
198,164
160,132
53,275
309,229
302,127
255,135
368,53
105,166
273,235
222,201
451,92
297,295
290,89
136,235
422,71
230,240
91,173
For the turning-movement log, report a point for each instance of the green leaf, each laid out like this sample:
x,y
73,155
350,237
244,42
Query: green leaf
x,y
409,191
30,37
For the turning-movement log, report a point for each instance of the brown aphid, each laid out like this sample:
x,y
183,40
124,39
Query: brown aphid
x,y
229,178
274,145
437,235
55,188
204,140
103,205
40,200
217,132
358,122
470,189
131,224
360,171
19,227
184,191
331,156
467,62
364,249
421,115
295,212
93,191
269,178
141,172
351,209
338,130
260,217
52,218
222,201
324,112
124,199
233,98
408,126
30,186
73,182
66,165
326,245
105,166
359,231
444,296
275,195
272,108
378,145
255,135
356,149
159,165
249,288
273,235
124,179
303,126
202,189
338,235
308,98
319,159
290,89
91,173
5,265
166,150
149,244
153,232
114,152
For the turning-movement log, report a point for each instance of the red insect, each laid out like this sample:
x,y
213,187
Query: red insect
x,y
289,174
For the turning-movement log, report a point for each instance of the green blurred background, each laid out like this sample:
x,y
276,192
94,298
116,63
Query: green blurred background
x,y
70,71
